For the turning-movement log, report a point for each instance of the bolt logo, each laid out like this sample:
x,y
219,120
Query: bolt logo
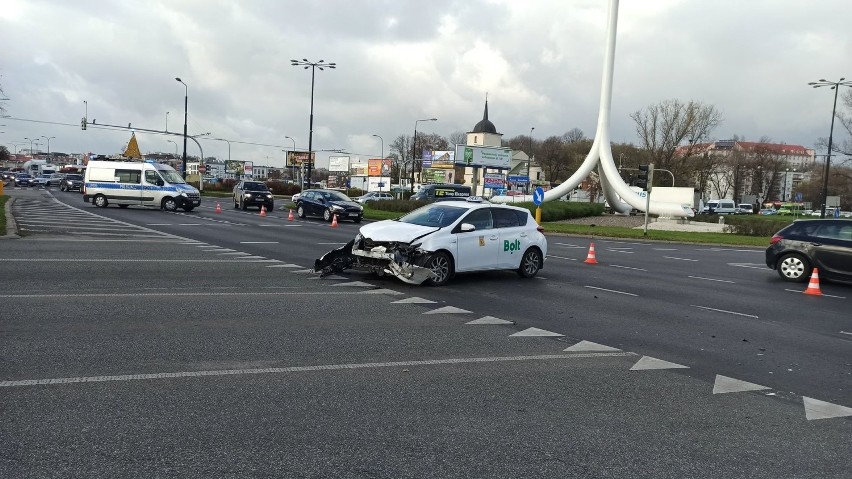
x,y
511,247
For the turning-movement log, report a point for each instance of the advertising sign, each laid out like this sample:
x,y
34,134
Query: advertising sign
x,y
358,169
338,163
234,167
484,156
519,179
248,167
494,181
297,158
379,167
440,159
437,176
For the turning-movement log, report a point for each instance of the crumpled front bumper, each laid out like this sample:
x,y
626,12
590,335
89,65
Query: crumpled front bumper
x,y
379,259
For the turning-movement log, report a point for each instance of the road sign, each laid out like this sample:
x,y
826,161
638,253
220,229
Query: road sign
x,y
538,195
201,168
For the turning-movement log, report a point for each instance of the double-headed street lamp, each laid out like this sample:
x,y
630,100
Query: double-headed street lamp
x,y
313,66
31,140
173,141
414,151
836,87
185,113
48,142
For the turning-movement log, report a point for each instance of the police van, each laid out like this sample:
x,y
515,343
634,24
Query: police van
x,y
138,183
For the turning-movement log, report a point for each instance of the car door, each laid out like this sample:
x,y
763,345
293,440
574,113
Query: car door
x,y
477,250
152,184
513,236
832,248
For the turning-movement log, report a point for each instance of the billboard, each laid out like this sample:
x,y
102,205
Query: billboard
x,y
440,159
234,167
379,167
298,158
338,163
248,167
484,156
494,181
358,169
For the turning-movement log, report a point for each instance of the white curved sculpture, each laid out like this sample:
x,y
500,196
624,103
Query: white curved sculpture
x,y
601,154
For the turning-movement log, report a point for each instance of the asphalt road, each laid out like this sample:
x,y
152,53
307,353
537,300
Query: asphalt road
x,y
143,343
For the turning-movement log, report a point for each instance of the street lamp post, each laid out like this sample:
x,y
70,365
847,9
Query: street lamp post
x,y
185,116
784,191
414,151
167,122
31,144
529,159
313,66
836,87
173,141
294,153
48,142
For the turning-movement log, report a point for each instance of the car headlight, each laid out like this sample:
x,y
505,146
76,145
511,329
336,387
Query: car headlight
x,y
248,195
337,208
183,195
269,196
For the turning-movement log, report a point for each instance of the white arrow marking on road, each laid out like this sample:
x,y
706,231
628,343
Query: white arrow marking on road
x,y
381,291
586,346
535,332
414,300
816,409
489,320
724,384
647,362
355,283
448,310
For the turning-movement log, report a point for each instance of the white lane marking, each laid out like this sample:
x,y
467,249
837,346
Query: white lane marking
x,y
160,224
711,279
665,249
297,369
612,248
130,295
748,265
331,243
680,259
730,249
258,242
189,224
845,332
618,251
568,245
561,257
122,260
823,294
724,384
232,253
628,267
724,311
624,242
816,409
611,291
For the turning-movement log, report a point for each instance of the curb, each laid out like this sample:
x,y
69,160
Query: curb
x,y
11,226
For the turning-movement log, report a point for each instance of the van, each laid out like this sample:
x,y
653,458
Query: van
x,y
720,207
138,183
432,193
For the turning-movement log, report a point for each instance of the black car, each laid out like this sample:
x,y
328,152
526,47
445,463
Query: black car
x,y
252,193
825,244
23,179
71,182
328,203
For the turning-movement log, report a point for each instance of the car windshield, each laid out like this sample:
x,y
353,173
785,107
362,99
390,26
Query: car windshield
x,y
171,176
333,196
74,177
254,186
434,215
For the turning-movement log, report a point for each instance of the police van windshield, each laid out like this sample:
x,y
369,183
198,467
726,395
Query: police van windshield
x,y
438,215
171,176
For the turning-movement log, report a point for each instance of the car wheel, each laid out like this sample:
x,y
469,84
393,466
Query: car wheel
x,y
169,204
794,267
62,188
300,211
100,201
442,268
326,215
243,205
236,206
530,263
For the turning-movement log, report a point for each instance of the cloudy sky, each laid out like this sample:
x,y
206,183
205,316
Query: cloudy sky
x,y
539,61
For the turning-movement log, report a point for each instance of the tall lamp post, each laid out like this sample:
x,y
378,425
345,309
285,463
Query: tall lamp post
x,y
836,87
185,113
784,191
31,144
414,150
313,66
294,152
529,159
173,141
48,142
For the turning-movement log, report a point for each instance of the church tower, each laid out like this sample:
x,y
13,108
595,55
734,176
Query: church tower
x,y
484,133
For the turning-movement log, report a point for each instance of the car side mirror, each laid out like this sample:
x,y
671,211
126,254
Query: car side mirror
x,y
466,227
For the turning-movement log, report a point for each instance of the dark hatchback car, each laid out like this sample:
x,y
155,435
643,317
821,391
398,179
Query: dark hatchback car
x,y
825,244
253,193
328,203
71,182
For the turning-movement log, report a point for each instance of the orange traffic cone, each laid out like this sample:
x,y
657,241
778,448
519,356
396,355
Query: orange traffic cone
x,y
813,285
218,208
590,259
290,218
263,210
334,222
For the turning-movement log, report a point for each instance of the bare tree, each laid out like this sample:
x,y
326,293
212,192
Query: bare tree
x,y
400,151
457,138
663,127
574,135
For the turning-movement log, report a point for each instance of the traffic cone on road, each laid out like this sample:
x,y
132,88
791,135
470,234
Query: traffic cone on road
x,y
590,259
290,217
263,210
334,222
218,208
813,285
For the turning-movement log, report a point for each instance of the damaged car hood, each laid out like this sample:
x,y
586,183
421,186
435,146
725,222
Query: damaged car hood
x,y
397,231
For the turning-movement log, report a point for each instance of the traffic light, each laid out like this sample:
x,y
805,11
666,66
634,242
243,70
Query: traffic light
x,y
83,123
646,177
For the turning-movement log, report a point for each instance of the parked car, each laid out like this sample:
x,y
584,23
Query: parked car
x,y
328,203
23,179
720,207
825,244
745,209
374,196
435,241
70,182
253,193
767,211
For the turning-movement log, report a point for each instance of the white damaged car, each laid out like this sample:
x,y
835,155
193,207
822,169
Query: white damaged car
x,y
434,242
